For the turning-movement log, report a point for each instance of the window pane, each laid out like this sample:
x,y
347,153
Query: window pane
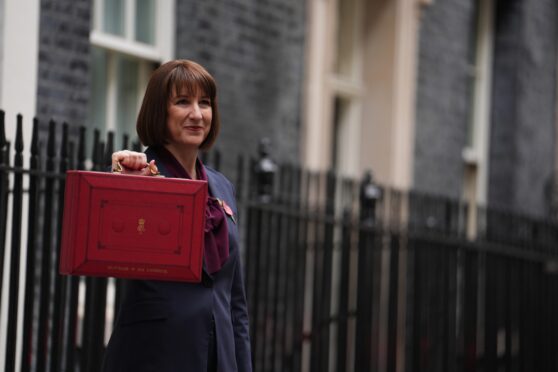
x,y
98,101
113,17
127,101
145,21
340,133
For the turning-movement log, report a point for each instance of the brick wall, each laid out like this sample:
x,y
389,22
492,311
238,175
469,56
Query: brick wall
x,y
63,76
255,50
443,96
524,103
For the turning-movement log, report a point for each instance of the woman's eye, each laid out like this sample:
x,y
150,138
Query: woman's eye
x,y
182,101
205,102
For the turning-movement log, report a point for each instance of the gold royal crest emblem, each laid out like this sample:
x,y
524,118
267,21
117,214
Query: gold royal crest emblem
x,y
141,226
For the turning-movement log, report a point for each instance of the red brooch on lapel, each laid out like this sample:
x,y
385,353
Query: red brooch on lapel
x,y
228,210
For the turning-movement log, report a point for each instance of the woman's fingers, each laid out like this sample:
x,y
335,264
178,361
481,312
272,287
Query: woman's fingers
x,y
131,162
150,169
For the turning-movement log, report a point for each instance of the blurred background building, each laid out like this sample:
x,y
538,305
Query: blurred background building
x,y
450,97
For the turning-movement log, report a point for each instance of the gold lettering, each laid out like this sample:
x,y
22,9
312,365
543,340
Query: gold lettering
x,y
141,226
118,268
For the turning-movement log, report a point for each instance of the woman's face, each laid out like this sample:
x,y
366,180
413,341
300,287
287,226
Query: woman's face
x,y
188,119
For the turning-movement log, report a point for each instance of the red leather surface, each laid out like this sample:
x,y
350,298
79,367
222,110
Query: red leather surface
x,y
133,226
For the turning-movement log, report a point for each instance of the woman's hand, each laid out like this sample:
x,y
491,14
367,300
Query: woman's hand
x,y
131,162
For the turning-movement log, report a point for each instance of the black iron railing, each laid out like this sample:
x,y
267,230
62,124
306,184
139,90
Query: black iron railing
x,y
341,274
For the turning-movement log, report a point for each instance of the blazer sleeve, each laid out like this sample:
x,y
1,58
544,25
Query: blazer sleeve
x,y
239,315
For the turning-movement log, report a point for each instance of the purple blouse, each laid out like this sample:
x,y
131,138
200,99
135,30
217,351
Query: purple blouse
x,y
216,239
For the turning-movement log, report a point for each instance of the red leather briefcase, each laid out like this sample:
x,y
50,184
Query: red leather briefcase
x,y
133,226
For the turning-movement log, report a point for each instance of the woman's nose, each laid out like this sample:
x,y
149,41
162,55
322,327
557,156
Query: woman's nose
x,y
196,111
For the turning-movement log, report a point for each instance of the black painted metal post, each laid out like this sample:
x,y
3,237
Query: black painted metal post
x,y
278,248
96,300
263,173
325,300
125,141
4,190
369,194
46,259
73,292
88,321
11,339
301,251
268,240
315,350
30,271
343,305
60,282
286,343
393,304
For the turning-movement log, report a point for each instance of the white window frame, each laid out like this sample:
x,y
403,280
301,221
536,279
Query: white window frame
x,y
475,155
161,51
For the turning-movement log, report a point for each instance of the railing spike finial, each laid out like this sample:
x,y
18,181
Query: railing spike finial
x,y
100,155
19,134
265,170
51,142
109,149
3,142
81,148
125,141
35,138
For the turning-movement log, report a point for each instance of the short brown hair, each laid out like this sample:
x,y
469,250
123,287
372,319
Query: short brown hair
x,y
175,76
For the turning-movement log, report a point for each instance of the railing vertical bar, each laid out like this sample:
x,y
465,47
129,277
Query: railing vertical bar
x,y
11,339
4,192
327,269
343,305
270,290
301,251
261,217
315,347
60,282
96,296
393,304
46,257
279,277
30,271
73,285
286,340
363,335
89,281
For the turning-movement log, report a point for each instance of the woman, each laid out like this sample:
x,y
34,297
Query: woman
x,y
176,326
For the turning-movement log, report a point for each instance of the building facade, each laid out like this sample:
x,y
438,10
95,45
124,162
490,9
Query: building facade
x,y
87,62
449,97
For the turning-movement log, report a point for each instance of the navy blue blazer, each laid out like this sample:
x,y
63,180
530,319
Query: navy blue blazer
x,y
166,326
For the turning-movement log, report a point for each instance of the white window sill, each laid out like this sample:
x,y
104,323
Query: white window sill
x,y
128,47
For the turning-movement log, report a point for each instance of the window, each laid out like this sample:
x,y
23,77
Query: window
x,y
475,153
346,89
129,39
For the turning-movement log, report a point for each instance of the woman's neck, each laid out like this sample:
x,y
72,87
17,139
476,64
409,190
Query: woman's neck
x,y
186,158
